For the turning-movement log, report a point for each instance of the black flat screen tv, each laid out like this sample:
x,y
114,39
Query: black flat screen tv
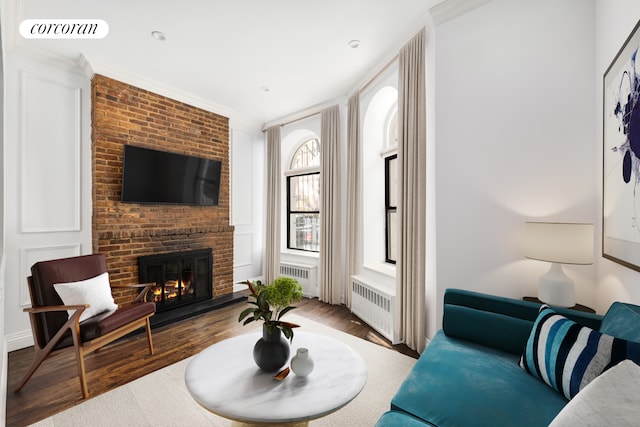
x,y
160,177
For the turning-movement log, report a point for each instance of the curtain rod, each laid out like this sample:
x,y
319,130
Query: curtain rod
x,y
305,114
297,119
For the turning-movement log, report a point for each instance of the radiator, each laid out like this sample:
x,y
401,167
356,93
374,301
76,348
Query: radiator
x,y
374,305
307,275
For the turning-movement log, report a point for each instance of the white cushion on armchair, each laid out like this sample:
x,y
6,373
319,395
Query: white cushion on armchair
x,y
95,291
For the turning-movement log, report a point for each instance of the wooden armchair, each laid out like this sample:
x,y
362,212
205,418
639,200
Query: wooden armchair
x,y
56,326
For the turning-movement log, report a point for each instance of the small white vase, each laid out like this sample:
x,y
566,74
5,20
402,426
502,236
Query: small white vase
x,y
302,363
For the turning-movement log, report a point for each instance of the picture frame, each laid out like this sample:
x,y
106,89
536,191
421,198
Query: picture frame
x,y
621,155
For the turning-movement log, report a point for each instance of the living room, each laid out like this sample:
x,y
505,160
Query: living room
x,y
514,133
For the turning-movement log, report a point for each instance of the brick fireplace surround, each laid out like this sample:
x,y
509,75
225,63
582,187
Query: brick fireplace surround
x,y
124,114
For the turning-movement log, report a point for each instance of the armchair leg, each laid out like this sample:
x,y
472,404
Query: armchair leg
x,y
149,339
41,354
75,332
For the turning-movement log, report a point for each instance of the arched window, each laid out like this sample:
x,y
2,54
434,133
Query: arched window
x,y
307,155
303,198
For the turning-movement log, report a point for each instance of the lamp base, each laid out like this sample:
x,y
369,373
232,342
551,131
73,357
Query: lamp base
x,y
555,288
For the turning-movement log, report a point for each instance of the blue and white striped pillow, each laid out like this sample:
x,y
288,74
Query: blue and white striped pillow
x,y
568,356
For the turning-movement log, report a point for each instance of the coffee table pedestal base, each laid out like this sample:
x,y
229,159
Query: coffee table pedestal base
x,y
294,424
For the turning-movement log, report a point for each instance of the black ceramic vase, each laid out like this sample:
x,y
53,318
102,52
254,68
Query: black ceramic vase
x,y
271,352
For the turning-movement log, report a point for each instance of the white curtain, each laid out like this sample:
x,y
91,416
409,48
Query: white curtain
x,y
272,228
329,275
410,268
353,195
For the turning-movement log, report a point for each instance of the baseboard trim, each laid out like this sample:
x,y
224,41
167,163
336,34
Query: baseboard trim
x,y
19,340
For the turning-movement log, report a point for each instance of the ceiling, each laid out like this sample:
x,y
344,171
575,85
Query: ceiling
x,y
254,60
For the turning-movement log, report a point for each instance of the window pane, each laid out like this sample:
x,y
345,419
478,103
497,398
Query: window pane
x,y
392,130
392,236
307,155
392,181
304,232
304,193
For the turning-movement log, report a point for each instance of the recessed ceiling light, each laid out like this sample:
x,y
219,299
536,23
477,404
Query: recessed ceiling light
x,y
354,44
264,88
158,35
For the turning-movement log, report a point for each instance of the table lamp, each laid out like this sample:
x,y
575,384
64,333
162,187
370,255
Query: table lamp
x,y
558,243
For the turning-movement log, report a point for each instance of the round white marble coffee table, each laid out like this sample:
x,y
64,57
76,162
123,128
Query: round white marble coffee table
x,y
224,379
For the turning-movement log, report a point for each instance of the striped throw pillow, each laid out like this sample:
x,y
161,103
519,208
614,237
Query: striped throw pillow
x,y
568,356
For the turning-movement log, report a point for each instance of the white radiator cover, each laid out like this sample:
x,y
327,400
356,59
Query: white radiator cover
x,y
375,305
306,274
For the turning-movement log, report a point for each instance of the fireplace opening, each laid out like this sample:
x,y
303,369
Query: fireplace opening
x,y
181,278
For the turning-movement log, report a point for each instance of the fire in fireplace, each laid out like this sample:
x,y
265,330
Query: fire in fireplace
x,y
181,277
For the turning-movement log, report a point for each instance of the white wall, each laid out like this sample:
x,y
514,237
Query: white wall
x,y
3,346
47,171
247,209
614,21
515,139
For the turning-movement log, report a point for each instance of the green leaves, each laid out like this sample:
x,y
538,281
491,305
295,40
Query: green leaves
x,y
271,303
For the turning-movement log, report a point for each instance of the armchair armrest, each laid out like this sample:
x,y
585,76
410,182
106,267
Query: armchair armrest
x,y
142,296
49,308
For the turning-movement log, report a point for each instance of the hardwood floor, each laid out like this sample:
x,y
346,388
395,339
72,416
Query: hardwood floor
x,y
55,385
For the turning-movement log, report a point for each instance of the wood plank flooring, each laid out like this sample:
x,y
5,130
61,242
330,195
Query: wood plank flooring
x,y
55,385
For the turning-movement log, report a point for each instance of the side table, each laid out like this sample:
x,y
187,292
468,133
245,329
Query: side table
x,y
578,307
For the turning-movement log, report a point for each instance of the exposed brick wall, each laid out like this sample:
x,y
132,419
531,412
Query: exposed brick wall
x,y
124,114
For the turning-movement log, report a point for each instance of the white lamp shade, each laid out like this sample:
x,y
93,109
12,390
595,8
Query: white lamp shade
x,y
565,243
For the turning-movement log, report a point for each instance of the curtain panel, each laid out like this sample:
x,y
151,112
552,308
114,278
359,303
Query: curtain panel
x,y
352,239
272,228
329,274
410,268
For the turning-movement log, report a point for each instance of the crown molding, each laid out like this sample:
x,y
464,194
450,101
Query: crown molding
x,y
236,121
14,44
450,9
84,63
146,83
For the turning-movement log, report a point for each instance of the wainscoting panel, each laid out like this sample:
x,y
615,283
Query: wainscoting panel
x,y
50,140
29,256
243,249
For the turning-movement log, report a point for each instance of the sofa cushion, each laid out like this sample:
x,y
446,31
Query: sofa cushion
x,y
612,399
108,321
399,419
497,322
568,356
622,321
459,383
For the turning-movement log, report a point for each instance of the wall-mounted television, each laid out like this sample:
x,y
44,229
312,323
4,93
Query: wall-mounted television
x,y
153,176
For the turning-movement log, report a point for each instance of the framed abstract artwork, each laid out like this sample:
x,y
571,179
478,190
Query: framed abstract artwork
x,y
621,156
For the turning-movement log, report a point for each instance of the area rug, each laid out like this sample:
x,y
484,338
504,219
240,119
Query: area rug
x,y
161,398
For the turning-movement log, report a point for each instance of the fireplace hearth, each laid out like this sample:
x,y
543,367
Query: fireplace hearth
x,y
184,284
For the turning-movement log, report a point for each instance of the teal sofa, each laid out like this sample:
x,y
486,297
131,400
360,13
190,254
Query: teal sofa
x,y
469,373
